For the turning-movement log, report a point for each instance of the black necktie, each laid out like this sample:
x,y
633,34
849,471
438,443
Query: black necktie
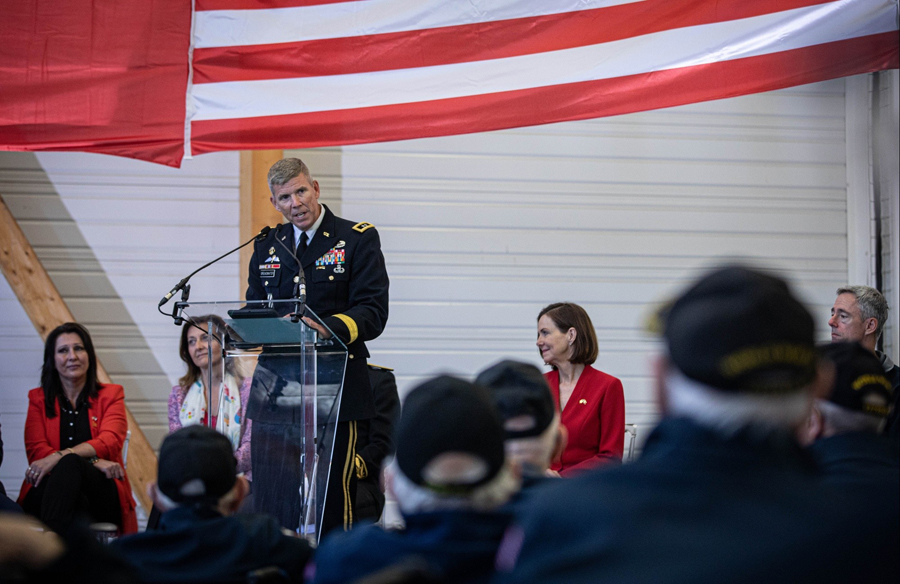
x,y
301,245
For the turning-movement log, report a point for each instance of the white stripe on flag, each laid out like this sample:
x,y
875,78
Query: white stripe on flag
x,y
686,47
235,28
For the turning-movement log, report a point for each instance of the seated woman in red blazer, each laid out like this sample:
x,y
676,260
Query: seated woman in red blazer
x,y
592,403
74,433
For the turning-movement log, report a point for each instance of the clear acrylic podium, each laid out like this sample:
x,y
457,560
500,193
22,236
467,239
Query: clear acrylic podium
x,y
296,379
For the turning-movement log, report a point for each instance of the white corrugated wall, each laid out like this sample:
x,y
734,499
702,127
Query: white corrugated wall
x,y
481,231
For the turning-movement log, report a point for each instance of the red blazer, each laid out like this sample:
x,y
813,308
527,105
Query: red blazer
x,y
595,419
108,429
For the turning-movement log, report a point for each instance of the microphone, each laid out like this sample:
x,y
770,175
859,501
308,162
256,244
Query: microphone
x,y
180,285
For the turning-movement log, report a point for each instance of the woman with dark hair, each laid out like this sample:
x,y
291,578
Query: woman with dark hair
x,y
592,403
228,400
75,450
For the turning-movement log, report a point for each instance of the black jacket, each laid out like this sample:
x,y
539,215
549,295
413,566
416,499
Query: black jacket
x,y
701,508
347,286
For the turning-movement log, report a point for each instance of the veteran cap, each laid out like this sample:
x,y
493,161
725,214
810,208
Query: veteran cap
x,y
522,397
449,438
739,329
860,383
196,464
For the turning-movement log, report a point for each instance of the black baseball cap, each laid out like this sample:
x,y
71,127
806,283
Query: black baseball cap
x,y
449,415
860,383
196,464
740,329
522,397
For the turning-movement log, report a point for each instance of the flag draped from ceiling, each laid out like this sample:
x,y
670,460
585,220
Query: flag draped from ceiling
x,y
160,80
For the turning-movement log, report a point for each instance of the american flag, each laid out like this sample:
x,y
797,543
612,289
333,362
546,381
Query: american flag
x,y
259,74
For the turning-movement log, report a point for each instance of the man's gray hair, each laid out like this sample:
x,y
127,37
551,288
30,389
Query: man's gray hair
x,y
413,498
871,304
840,420
534,452
728,412
286,169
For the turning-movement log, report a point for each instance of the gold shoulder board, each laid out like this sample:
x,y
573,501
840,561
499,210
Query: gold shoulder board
x,y
362,226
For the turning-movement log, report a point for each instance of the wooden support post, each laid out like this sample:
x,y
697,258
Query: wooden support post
x,y
255,209
47,310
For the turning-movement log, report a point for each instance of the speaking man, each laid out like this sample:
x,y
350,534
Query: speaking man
x,y
347,286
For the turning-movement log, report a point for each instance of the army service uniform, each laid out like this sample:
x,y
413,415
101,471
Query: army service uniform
x,y
347,287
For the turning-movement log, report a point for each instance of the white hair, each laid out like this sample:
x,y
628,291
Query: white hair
x,y
728,412
840,420
413,498
534,452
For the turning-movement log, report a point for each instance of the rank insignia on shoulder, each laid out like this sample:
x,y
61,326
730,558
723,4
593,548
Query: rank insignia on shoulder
x,y
362,226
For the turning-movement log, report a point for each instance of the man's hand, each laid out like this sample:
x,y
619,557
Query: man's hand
x,y
323,332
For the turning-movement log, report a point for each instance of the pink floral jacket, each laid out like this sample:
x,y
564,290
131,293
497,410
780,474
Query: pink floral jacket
x,y
242,454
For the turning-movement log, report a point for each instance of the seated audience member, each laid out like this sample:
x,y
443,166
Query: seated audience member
x,y
534,436
449,478
32,553
6,504
591,402
200,539
74,432
375,442
859,315
187,402
843,429
722,492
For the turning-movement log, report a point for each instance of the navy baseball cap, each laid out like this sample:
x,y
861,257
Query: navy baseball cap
x,y
522,397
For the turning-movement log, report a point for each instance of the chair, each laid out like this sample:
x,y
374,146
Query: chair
x,y
125,449
631,434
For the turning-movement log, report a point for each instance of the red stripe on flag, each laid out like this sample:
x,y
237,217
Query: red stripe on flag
x,y
260,4
465,43
106,77
552,104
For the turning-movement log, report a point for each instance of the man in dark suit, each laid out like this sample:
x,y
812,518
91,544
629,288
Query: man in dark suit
x,y
858,316
375,443
722,492
347,284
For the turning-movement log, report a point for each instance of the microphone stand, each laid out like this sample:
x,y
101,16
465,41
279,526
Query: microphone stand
x,y
299,285
183,284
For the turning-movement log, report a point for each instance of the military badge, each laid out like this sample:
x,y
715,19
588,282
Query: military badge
x,y
331,258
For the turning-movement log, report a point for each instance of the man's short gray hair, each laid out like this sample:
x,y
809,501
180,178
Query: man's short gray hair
x,y
871,304
728,412
840,420
412,498
286,169
534,452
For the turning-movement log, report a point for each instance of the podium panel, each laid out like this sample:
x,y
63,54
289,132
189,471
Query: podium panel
x,y
296,380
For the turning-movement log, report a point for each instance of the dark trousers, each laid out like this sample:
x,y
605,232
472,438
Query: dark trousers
x,y
277,477
74,489
369,500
